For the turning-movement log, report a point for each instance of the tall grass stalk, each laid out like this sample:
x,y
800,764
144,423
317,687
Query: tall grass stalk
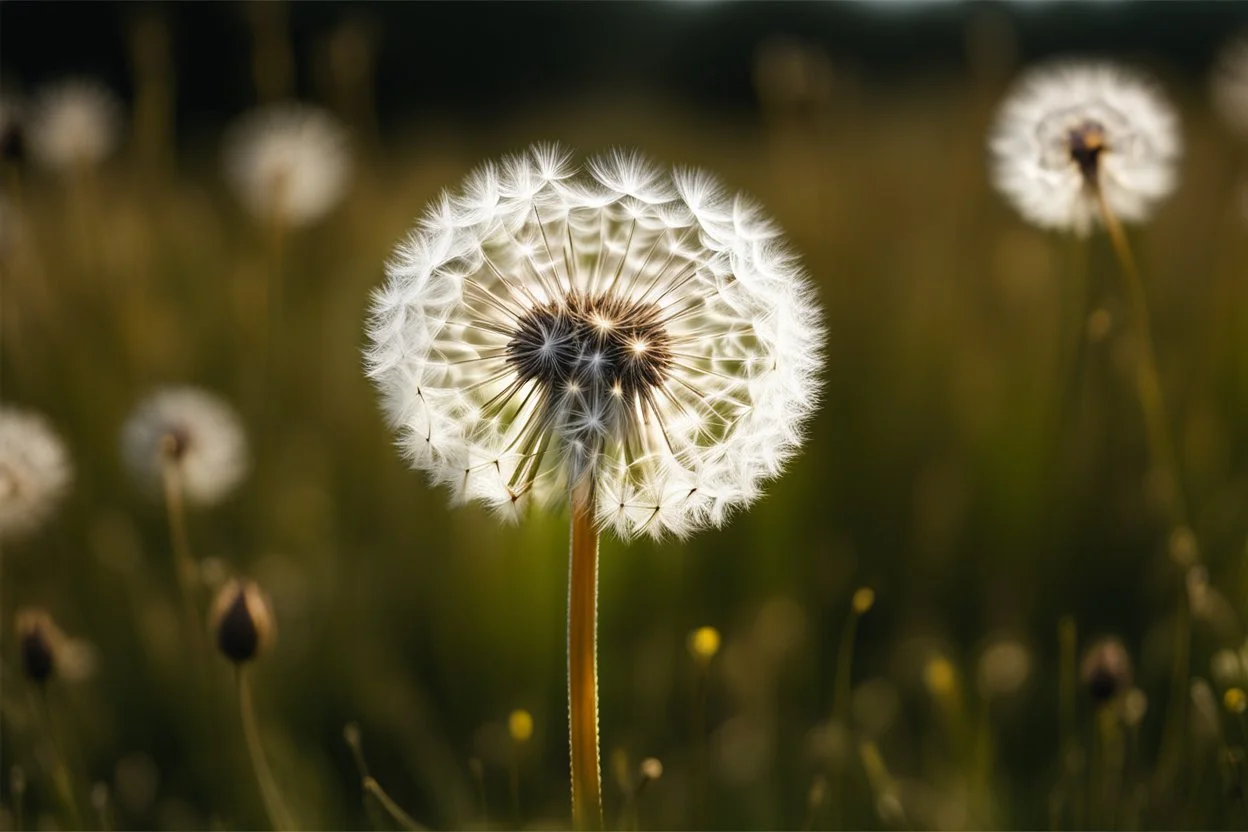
x,y
62,780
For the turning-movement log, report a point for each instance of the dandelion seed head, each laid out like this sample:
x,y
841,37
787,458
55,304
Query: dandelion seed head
x,y
1229,85
46,651
1069,129
74,123
288,162
644,329
35,472
192,434
1106,669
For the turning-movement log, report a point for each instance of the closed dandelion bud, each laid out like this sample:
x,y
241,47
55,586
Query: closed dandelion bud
x,y
241,621
1106,670
39,637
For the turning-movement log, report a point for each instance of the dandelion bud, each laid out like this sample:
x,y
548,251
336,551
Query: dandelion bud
x,y
704,643
864,599
1235,700
1106,670
241,621
39,638
520,726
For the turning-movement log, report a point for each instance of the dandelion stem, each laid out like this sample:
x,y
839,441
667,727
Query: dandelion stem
x,y
273,805
184,563
1166,462
583,660
1067,644
1147,378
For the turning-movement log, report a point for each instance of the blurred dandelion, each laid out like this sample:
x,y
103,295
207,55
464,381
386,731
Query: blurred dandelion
x,y
188,445
1071,135
1106,670
288,163
1229,85
74,124
35,472
638,342
1235,700
189,436
1004,667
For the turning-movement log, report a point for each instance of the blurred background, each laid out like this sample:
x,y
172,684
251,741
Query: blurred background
x,y
979,462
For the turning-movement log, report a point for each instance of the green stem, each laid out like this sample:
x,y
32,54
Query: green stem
x,y
395,811
279,817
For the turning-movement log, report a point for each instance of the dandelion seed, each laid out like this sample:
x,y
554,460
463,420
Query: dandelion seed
x,y
288,162
646,330
241,621
1069,130
73,124
35,472
638,342
192,433
1229,85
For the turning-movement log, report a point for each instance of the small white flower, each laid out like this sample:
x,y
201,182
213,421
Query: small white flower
x,y
1069,129
193,434
76,122
643,329
1230,85
35,471
288,162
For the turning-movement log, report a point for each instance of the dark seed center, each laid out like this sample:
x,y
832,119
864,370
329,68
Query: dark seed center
x,y
1086,142
596,345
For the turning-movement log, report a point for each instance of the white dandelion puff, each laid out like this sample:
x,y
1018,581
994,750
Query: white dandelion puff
x,y
288,162
35,472
74,123
192,433
1069,130
644,331
1229,85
